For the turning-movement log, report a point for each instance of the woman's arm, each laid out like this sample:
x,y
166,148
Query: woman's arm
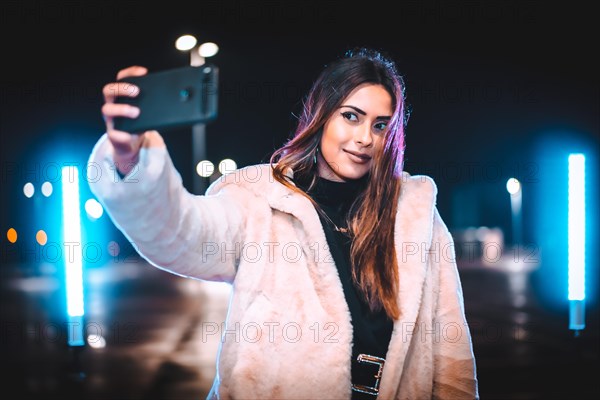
x,y
189,235
133,176
454,370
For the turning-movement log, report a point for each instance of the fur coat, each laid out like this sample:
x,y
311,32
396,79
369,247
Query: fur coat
x,y
288,332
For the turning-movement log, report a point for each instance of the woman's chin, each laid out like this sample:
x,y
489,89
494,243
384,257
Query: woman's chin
x,y
353,174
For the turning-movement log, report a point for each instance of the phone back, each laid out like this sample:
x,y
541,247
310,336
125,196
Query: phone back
x,y
172,98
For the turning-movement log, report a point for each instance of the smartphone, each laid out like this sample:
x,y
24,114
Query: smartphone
x,y
172,98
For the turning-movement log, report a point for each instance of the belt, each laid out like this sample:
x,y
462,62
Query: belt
x,y
367,373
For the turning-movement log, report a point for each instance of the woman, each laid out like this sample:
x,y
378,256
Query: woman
x,y
343,273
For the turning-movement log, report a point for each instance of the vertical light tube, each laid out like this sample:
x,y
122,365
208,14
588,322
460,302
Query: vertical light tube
x,y
576,246
73,254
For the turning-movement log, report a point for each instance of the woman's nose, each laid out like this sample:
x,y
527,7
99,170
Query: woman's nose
x,y
363,136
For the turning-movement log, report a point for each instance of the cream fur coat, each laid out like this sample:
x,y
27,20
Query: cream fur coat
x,y
289,334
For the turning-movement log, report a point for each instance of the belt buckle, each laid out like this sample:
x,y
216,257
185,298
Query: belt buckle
x,y
369,359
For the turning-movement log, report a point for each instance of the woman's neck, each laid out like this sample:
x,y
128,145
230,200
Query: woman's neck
x,y
337,193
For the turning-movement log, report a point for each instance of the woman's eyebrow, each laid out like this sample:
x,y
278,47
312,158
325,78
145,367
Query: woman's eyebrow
x,y
358,110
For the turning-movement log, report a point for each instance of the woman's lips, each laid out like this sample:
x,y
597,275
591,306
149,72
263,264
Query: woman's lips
x,y
358,157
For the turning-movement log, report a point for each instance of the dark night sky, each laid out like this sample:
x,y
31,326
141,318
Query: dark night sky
x,y
485,79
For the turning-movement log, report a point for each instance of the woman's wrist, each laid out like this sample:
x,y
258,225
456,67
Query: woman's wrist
x,y
126,159
124,163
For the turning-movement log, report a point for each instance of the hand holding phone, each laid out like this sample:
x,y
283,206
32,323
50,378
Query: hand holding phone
x,y
172,98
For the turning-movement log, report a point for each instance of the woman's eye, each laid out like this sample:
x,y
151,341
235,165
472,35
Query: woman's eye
x,y
380,126
350,116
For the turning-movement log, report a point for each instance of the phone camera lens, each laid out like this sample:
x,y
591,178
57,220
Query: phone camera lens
x,y
185,94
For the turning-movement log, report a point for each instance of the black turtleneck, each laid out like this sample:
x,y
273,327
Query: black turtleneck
x,y
372,331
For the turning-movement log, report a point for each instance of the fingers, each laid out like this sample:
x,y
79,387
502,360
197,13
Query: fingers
x,y
112,110
126,145
134,70
112,90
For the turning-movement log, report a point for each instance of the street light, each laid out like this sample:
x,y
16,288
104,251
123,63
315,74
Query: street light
x,y
576,242
198,55
513,186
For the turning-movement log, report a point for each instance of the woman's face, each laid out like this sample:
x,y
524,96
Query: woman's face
x,y
354,133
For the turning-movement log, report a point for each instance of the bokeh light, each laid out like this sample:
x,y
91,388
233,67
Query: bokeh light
x,y
41,237
28,189
513,186
185,42
208,49
93,209
205,168
113,248
47,189
226,166
11,235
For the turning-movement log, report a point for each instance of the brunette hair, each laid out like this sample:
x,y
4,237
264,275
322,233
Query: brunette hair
x,y
371,217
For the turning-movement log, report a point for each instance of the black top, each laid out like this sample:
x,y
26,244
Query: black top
x,y
372,331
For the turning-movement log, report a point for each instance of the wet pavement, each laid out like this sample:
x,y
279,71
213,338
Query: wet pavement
x,y
151,335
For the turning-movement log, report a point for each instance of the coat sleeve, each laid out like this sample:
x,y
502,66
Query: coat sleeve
x,y
174,230
454,369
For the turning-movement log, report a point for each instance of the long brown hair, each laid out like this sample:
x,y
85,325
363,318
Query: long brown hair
x,y
372,215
